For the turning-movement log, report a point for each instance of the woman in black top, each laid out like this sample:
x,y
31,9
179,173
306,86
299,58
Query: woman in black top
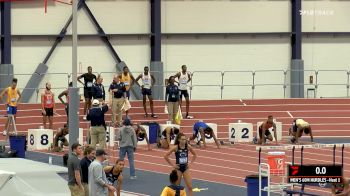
x,y
172,95
182,166
114,174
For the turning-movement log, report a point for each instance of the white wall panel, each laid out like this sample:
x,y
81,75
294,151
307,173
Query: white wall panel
x,y
225,16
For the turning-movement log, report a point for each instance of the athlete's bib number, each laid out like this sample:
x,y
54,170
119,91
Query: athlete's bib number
x,y
183,160
89,84
13,99
48,102
126,83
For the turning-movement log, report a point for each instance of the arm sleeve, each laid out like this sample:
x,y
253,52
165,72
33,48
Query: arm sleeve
x,y
104,93
110,87
88,116
164,192
105,109
76,165
134,139
166,93
97,171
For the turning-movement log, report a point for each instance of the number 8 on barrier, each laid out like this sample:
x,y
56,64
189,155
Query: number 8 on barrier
x,y
240,132
39,139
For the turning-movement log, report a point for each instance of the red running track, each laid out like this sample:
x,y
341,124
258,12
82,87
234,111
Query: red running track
x,y
229,165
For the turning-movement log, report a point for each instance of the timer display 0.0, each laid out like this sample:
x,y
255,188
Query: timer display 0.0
x,y
314,173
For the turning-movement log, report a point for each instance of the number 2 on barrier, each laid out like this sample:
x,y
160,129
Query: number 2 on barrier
x,y
233,131
245,132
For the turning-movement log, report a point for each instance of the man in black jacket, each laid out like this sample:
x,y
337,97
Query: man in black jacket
x,y
97,117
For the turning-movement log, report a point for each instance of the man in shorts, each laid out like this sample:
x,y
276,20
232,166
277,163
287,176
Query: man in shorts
x,y
299,127
148,81
47,105
60,137
89,78
264,132
184,78
200,131
13,98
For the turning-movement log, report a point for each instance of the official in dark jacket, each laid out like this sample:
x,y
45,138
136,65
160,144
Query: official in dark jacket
x,y
97,117
98,90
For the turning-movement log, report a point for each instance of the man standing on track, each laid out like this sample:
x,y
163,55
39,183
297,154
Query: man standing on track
x,y
264,132
148,81
48,105
117,99
65,93
13,98
128,81
89,78
184,78
298,127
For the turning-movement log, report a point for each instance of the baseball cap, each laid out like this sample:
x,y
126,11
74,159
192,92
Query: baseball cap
x,y
95,102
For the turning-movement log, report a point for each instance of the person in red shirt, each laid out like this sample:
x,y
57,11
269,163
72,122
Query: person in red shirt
x,y
48,105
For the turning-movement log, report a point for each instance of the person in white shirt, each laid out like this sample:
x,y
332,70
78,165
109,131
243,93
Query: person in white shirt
x,y
98,184
148,81
184,78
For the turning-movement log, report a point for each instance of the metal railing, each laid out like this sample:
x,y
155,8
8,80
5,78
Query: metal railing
x,y
249,84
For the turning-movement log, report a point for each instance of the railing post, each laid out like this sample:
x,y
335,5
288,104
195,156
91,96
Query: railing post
x,y
284,83
253,85
316,85
347,85
191,85
222,83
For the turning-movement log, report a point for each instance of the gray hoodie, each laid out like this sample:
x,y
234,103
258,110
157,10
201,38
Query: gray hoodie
x,y
127,137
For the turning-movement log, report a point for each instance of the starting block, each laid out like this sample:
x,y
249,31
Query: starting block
x,y
278,130
39,139
208,138
240,132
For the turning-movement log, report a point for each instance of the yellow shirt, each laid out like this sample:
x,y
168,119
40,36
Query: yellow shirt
x,y
12,95
301,123
126,79
167,191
